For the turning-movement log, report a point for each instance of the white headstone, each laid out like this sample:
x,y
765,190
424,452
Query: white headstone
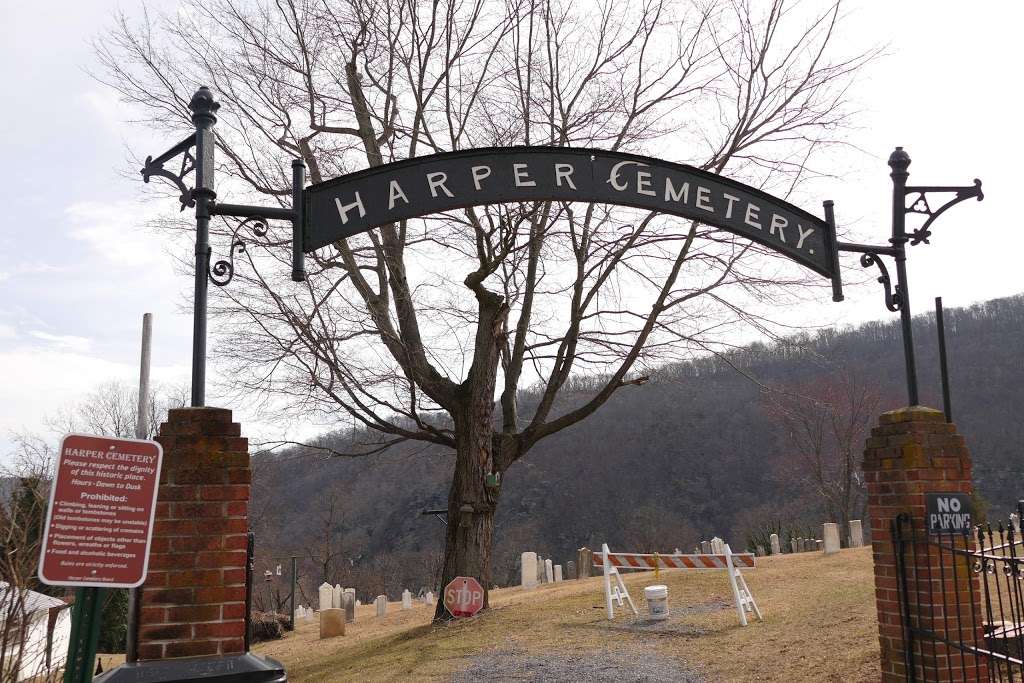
x,y
717,545
406,599
794,545
529,570
830,534
1015,522
326,594
558,572
429,598
382,605
336,596
549,573
705,548
358,603
776,548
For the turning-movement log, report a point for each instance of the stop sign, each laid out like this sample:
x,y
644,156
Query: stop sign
x,y
464,596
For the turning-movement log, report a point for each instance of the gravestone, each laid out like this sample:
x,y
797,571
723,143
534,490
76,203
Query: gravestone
x,y
349,602
717,545
540,569
705,547
570,569
856,533
549,572
584,562
528,570
793,546
325,594
830,534
406,599
336,596
558,573
381,601
332,622
759,550
776,548
429,598
820,546
1015,522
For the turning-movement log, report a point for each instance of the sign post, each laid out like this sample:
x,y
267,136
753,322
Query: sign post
x,y
463,596
98,528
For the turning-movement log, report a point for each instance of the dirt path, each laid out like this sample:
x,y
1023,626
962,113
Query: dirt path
x,y
639,665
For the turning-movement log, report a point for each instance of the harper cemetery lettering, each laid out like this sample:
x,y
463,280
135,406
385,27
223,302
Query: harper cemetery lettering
x,y
356,202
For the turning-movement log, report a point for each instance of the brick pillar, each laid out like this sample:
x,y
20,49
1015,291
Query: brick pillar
x,y
914,451
193,601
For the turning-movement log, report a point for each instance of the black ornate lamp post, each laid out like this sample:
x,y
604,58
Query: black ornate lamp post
x,y
898,299
203,197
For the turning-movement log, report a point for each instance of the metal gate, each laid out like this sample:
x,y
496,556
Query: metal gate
x,y
968,590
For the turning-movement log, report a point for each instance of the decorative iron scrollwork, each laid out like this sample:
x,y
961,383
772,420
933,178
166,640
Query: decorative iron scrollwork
x,y
222,272
892,299
919,204
155,167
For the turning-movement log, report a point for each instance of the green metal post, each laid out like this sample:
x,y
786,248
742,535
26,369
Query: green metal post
x,y
86,617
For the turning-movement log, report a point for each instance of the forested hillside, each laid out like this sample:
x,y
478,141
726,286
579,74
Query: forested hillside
x,y
697,451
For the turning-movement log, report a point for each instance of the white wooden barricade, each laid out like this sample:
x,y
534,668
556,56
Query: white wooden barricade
x,y
729,561
620,591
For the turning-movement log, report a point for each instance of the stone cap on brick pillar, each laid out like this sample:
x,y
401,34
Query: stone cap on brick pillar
x,y
916,437
912,414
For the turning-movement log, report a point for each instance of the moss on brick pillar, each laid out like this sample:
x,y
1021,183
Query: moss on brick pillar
x,y
912,452
193,601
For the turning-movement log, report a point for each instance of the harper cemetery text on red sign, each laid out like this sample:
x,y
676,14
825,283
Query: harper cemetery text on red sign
x,y
100,519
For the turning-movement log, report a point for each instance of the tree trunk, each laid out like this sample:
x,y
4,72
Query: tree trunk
x,y
471,503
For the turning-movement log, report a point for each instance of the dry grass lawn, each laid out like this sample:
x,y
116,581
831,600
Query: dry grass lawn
x,y
819,626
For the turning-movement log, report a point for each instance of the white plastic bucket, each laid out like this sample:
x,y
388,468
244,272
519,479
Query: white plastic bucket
x,y
657,601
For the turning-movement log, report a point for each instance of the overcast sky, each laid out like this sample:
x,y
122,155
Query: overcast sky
x,y
77,271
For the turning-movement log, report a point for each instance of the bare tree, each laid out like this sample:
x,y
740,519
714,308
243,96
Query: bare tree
x,y
825,425
554,295
327,556
111,408
27,619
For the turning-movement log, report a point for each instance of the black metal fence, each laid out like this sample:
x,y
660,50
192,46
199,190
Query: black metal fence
x,y
961,601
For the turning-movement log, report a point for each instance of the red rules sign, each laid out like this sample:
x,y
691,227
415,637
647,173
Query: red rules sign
x,y
100,519
463,596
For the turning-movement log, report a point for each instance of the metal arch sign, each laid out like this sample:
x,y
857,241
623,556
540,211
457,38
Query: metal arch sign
x,y
421,186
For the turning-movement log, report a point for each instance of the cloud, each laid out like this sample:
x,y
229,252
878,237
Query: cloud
x,y
106,107
42,381
115,231
66,342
